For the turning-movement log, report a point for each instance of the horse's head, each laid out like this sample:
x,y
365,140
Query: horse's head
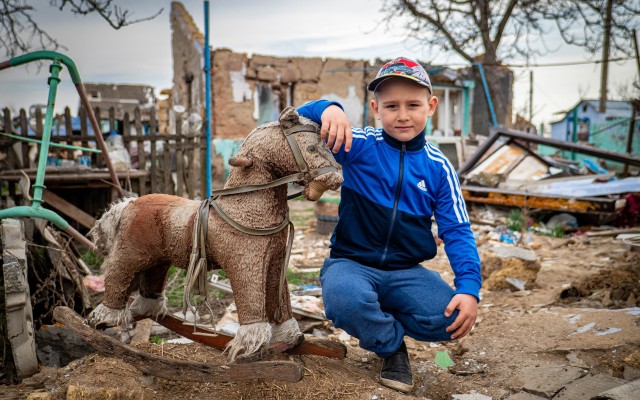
x,y
292,146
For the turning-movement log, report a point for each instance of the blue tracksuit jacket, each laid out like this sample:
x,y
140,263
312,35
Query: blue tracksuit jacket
x,y
390,192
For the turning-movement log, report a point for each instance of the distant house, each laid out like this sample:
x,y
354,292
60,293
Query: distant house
x,y
585,124
585,118
122,98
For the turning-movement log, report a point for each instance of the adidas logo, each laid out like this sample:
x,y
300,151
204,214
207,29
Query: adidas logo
x,y
422,186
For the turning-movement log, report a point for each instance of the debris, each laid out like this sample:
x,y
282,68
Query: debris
x,y
608,331
471,396
468,367
504,262
524,396
563,220
589,386
625,392
443,360
229,322
585,328
547,380
142,331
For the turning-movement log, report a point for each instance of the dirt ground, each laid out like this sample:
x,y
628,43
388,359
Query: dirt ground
x,y
598,332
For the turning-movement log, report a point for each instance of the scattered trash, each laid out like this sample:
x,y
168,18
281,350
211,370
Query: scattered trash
x,y
585,328
563,220
473,395
517,283
443,360
229,322
608,331
468,367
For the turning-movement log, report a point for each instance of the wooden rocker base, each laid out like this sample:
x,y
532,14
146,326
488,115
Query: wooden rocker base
x,y
167,368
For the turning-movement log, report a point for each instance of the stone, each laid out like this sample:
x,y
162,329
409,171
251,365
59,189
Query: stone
x,y
589,386
502,264
625,392
548,380
56,346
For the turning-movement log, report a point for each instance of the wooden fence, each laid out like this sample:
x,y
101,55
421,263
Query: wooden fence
x,y
176,171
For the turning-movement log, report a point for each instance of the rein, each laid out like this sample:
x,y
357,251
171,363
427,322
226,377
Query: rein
x,y
197,271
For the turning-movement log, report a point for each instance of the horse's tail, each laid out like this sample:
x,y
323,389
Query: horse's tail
x,y
104,231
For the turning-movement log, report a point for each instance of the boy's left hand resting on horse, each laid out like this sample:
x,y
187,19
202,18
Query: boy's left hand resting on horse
x,y
468,307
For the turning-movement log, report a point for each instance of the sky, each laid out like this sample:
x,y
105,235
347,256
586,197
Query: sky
x,y
141,53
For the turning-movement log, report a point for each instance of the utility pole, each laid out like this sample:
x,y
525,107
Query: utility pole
x,y
605,57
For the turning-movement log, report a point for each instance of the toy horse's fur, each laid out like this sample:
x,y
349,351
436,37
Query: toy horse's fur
x,y
140,239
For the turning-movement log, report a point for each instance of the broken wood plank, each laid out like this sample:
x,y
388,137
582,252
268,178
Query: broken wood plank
x,y
177,370
613,232
208,337
68,209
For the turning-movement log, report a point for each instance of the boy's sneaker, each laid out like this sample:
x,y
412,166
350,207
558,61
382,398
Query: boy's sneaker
x,y
396,371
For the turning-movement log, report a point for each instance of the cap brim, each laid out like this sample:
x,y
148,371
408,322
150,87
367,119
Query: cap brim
x,y
376,82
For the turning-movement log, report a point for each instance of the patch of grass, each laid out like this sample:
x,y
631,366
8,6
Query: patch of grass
x,y
302,217
92,260
302,278
516,220
175,286
156,340
557,232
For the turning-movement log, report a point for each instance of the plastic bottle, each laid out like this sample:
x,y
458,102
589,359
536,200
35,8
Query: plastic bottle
x,y
118,154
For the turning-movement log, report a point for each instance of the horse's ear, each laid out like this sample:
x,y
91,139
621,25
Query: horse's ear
x,y
243,162
289,117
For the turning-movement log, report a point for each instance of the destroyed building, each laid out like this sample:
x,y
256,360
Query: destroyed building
x,y
248,90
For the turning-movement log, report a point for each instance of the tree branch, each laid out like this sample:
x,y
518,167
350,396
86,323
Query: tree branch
x,y
439,26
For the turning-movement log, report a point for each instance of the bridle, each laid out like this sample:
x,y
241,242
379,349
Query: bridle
x,y
196,273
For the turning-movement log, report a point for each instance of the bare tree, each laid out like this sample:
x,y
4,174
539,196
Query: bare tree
x,y
599,25
20,32
484,31
492,31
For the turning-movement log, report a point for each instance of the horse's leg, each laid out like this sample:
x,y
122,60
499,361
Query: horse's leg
x,y
121,278
151,300
247,273
285,332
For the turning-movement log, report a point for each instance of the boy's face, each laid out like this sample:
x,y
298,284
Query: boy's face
x,y
403,107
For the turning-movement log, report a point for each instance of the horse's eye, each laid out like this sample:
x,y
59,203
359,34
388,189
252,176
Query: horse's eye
x,y
312,148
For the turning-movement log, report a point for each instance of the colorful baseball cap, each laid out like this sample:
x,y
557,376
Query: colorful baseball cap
x,y
401,68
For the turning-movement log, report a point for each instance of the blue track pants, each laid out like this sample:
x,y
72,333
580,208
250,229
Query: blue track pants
x,y
380,307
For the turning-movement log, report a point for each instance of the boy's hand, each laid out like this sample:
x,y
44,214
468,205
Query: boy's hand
x,y
468,307
336,126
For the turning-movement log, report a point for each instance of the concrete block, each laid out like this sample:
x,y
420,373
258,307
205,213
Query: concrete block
x,y
589,386
19,314
548,380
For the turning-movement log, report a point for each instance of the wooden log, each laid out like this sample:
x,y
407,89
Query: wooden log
x,y
68,209
8,124
167,166
177,370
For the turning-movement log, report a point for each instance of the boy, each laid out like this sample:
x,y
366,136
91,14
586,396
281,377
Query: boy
x,y
394,181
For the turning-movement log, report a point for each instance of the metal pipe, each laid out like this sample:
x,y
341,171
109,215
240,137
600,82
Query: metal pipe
x,y
99,139
53,80
207,74
60,145
494,120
